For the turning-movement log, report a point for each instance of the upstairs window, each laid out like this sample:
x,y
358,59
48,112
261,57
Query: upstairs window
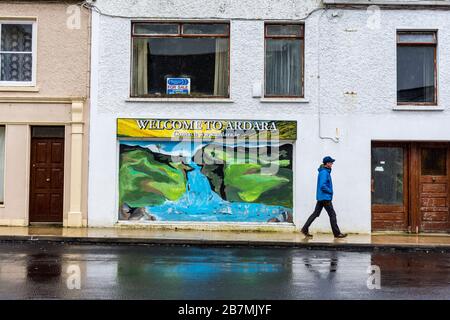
x,y
284,44
17,53
180,60
416,68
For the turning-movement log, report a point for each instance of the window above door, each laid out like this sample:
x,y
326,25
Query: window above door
x,y
433,161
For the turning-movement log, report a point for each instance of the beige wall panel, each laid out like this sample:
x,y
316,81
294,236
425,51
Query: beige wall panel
x,y
30,113
62,59
16,174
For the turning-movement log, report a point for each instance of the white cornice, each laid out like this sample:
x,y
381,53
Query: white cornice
x,y
49,100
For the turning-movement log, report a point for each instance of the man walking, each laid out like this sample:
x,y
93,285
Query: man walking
x,y
324,197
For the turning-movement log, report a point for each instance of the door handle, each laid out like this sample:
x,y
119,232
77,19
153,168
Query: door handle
x,y
433,179
48,179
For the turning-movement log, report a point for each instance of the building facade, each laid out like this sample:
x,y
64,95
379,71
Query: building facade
x,y
44,102
388,95
217,114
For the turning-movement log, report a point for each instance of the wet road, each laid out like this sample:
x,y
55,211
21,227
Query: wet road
x,y
37,270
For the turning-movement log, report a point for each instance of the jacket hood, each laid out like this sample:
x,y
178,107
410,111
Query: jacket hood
x,y
322,167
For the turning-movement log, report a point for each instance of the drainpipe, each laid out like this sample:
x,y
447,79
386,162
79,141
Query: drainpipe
x,y
335,139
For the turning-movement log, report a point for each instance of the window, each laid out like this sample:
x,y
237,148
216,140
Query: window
x,y
387,175
180,60
284,44
17,53
434,161
47,132
416,68
2,164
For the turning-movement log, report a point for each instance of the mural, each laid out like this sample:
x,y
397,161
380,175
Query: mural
x,y
215,180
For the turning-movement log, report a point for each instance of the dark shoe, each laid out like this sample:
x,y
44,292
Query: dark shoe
x,y
340,236
306,233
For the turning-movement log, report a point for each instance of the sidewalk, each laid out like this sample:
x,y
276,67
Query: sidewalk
x,y
224,238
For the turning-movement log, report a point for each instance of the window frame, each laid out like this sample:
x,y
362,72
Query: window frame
x,y
419,44
180,35
31,83
302,55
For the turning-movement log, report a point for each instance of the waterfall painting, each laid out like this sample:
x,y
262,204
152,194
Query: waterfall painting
x,y
197,181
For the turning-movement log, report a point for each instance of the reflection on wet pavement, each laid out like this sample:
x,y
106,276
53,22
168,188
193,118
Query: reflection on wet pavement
x,y
38,270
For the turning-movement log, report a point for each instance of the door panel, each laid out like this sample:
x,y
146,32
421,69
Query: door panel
x,y
41,176
438,216
41,149
389,187
57,152
440,188
57,178
433,188
47,180
432,203
41,203
55,204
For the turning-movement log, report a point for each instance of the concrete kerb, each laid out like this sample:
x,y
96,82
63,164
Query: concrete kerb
x,y
226,243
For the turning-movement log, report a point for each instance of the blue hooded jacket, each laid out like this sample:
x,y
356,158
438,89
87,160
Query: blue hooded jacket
x,y
324,184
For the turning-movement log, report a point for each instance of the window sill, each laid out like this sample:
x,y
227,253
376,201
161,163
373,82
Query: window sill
x,y
417,108
283,100
213,100
19,89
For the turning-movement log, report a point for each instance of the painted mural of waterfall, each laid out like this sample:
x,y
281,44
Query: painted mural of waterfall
x,y
200,203
164,181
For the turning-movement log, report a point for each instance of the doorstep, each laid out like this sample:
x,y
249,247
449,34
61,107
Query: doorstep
x,y
224,238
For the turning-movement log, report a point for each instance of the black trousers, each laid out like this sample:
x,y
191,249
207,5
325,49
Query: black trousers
x,y
328,205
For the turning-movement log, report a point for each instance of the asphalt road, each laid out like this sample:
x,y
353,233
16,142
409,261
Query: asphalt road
x,y
55,271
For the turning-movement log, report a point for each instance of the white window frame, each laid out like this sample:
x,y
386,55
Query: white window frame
x,y
31,83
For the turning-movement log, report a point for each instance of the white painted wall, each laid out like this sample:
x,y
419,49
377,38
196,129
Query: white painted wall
x,y
349,58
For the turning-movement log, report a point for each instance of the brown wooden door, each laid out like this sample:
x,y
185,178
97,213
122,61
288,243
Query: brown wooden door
x,y
47,180
433,187
389,186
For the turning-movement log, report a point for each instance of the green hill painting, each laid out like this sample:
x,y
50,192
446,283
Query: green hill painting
x,y
209,182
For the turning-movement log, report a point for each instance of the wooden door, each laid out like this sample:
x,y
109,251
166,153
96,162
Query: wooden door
x,y
390,206
433,187
47,180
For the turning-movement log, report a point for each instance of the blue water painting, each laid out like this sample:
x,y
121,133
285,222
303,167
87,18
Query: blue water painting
x,y
200,203
154,173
